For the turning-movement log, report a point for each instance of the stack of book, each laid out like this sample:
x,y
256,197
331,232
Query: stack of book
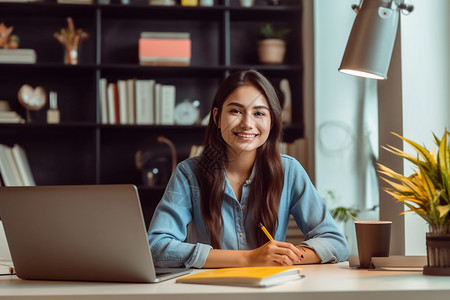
x,y
14,167
137,101
7,115
162,2
165,48
75,1
17,56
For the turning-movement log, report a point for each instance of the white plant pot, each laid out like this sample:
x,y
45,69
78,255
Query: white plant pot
x,y
271,51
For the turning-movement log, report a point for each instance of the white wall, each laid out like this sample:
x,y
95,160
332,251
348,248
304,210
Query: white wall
x,y
413,102
425,39
346,120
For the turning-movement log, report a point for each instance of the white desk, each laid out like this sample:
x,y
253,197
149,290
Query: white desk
x,y
330,281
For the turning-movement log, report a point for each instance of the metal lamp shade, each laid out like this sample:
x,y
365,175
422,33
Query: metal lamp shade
x,y
369,48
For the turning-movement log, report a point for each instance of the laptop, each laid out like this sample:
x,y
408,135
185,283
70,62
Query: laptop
x,y
79,233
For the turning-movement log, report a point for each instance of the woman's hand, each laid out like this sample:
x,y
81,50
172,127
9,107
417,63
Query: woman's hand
x,y
274,253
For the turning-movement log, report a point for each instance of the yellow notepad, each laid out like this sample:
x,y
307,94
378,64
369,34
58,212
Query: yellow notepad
x,y
250,276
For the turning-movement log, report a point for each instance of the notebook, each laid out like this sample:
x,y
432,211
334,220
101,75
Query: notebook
x,y
247,276
79,233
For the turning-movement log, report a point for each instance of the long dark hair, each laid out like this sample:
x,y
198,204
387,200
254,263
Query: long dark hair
x,y
267,184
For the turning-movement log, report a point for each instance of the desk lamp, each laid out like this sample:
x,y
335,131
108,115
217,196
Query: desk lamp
x,y
369,48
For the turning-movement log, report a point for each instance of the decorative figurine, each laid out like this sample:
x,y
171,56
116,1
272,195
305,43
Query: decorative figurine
x,y
33,99
71,39
8,40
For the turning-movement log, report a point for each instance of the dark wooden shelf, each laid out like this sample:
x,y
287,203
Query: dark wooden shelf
x,y
81,150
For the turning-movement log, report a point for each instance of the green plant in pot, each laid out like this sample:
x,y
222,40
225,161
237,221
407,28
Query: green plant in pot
x,y
272,44
427,193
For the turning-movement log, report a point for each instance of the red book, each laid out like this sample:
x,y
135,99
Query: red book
x,y
116,103
165,48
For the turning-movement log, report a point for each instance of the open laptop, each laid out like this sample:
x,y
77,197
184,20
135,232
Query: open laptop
x,y
81,233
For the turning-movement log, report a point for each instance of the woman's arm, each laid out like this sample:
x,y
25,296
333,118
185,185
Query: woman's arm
x,y
308,256
272,253
322,236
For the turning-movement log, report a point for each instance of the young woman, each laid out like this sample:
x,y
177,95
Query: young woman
x,y
213,204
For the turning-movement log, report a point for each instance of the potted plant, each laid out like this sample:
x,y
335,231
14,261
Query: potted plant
x,y
427,193
272,44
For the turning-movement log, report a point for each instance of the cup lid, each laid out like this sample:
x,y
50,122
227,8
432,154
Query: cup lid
x,y
374,222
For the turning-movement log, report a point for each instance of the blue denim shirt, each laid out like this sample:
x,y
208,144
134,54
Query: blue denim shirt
x,y
178,236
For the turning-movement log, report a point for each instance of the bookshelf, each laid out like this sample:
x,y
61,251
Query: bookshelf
x,y
81,150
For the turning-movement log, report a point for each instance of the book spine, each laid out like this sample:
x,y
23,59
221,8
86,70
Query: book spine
x,y
157,104
123,101
131,98
23,165
103,100
144,101
111,105
8,167
116,104
167,104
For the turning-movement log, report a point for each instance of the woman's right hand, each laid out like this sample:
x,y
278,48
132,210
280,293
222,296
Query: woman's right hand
x,y
274,253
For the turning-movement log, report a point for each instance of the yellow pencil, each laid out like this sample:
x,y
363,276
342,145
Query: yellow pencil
x,y
265,231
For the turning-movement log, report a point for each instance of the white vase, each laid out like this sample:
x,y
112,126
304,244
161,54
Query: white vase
x,y
206,2
246,3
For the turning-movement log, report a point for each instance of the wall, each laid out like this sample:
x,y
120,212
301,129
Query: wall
x,y
346,120
413,102
425,63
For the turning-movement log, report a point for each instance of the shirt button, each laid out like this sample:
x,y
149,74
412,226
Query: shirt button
x,y
240,234
243,207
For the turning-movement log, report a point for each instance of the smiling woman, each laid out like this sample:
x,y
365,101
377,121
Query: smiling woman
x,y
209,214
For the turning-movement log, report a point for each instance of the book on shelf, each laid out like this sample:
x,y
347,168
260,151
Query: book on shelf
x,y
157,104
145,101
123,105
167,104
131,101
8,167
111,91
20,157
136,101
21,1
10,117
18,56
162,2
103,92
75,1
189,2
165,48
247,276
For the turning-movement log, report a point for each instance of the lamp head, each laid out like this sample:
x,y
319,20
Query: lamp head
x,y
371,42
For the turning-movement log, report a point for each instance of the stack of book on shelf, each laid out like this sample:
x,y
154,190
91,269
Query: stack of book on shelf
x,y
21,1
14,167
75,1
7,115
162,2
17,56
136,101
165,48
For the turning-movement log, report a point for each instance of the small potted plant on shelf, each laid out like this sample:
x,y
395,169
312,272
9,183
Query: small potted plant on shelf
x,y
427,193
272,44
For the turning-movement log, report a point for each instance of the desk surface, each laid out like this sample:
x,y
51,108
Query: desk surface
x,y
329,281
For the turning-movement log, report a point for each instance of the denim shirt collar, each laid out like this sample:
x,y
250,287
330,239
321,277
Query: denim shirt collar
x,y
229,190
